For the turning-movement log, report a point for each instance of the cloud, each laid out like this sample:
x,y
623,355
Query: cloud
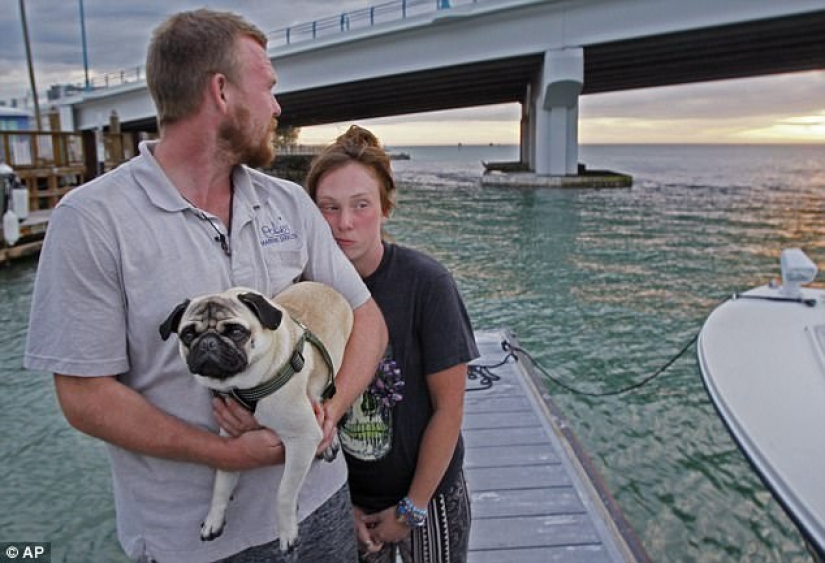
x,y
117,33
798,92
804,128
759,109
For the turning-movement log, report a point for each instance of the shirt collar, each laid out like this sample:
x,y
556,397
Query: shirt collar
x,y
163,194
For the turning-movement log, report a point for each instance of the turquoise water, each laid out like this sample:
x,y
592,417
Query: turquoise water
x,y
601,286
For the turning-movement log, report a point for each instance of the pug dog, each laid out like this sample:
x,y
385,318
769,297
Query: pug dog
x,y
276,357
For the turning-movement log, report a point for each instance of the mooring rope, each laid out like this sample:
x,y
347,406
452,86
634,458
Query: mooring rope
x,y
483,372
517,349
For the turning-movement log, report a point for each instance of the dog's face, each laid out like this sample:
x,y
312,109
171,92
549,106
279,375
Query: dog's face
x,y
222,335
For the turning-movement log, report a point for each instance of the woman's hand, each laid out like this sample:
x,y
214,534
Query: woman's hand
x,y
326,424
366,543
328,417
384,526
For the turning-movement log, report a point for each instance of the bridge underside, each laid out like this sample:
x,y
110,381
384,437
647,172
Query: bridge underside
x,y
791,44
772,46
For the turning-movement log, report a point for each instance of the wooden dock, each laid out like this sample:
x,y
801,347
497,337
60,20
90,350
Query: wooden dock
x,y
536,498
50,163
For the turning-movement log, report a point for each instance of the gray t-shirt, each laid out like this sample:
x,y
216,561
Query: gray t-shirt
x,y
120,252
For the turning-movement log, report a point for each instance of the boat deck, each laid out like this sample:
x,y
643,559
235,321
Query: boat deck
x,y
32,231
535,496
762,359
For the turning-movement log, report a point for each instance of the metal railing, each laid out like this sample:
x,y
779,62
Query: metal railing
x,y
361,18
358,19
125,76
300,150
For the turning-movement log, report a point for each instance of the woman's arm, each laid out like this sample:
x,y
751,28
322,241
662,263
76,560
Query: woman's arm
x,y
435,451
364,350
441,434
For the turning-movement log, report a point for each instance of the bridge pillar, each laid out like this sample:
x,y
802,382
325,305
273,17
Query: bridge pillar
x,y
555,113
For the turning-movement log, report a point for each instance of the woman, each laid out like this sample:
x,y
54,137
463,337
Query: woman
x,y
402,439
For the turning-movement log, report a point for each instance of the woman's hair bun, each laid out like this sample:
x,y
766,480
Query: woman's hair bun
x,y
360,137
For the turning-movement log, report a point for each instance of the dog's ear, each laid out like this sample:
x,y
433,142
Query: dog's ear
x,y
172,322
268,314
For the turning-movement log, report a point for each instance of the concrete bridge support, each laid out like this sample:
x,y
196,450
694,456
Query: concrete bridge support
x,y
553,114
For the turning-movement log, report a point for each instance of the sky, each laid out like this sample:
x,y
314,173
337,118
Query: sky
x,y
787,108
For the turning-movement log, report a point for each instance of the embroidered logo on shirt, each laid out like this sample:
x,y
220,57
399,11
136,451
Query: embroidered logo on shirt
x,y
276,232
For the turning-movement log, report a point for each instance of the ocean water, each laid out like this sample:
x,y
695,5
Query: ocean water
x,y
602,287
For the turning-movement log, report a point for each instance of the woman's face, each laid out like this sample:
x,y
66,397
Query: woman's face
x,y
349,198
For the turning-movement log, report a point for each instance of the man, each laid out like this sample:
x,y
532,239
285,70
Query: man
x,y
182,219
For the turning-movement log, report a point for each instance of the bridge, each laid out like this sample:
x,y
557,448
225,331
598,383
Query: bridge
x,y
543,54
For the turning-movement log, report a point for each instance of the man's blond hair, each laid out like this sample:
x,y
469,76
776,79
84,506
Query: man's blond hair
x,y
186,51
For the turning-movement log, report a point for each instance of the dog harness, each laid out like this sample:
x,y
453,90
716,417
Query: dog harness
x,y
248,398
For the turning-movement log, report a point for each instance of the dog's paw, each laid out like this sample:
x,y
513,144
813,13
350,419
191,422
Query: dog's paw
x,y
288,540
212,527
331,452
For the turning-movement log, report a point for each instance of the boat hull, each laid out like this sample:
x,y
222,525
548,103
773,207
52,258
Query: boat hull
x,y
762,359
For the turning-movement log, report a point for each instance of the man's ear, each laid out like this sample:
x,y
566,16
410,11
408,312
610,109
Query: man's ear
x,y
217,86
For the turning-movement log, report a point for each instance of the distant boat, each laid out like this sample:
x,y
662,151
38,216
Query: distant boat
x,y
762,358
399,156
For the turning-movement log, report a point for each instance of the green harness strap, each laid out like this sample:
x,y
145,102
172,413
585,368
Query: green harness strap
x,y
250,397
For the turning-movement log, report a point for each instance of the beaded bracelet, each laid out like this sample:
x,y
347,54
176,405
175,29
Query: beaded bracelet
x,y
410,514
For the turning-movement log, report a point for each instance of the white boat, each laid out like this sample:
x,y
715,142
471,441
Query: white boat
x,y
762,358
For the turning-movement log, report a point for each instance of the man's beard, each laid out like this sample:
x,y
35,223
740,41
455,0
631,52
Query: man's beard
x,y
235,137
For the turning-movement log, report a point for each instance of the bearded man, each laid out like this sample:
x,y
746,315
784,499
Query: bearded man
x,y
190,215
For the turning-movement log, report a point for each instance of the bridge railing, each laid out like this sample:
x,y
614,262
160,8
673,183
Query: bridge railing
x,y
361,18
358,19
125,76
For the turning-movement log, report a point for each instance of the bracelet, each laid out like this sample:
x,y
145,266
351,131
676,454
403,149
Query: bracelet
x,y
410,514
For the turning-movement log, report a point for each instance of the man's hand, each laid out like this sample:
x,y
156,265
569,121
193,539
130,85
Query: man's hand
x,y
232,417
256,445
236,421
256,448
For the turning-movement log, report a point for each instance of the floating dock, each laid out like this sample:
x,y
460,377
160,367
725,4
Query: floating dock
x,y
536,497
517,175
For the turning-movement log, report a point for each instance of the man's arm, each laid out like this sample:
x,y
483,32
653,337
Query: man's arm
x,y
365,348
105,408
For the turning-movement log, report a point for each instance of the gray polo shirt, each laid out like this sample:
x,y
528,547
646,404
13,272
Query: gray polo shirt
x,y
120,252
